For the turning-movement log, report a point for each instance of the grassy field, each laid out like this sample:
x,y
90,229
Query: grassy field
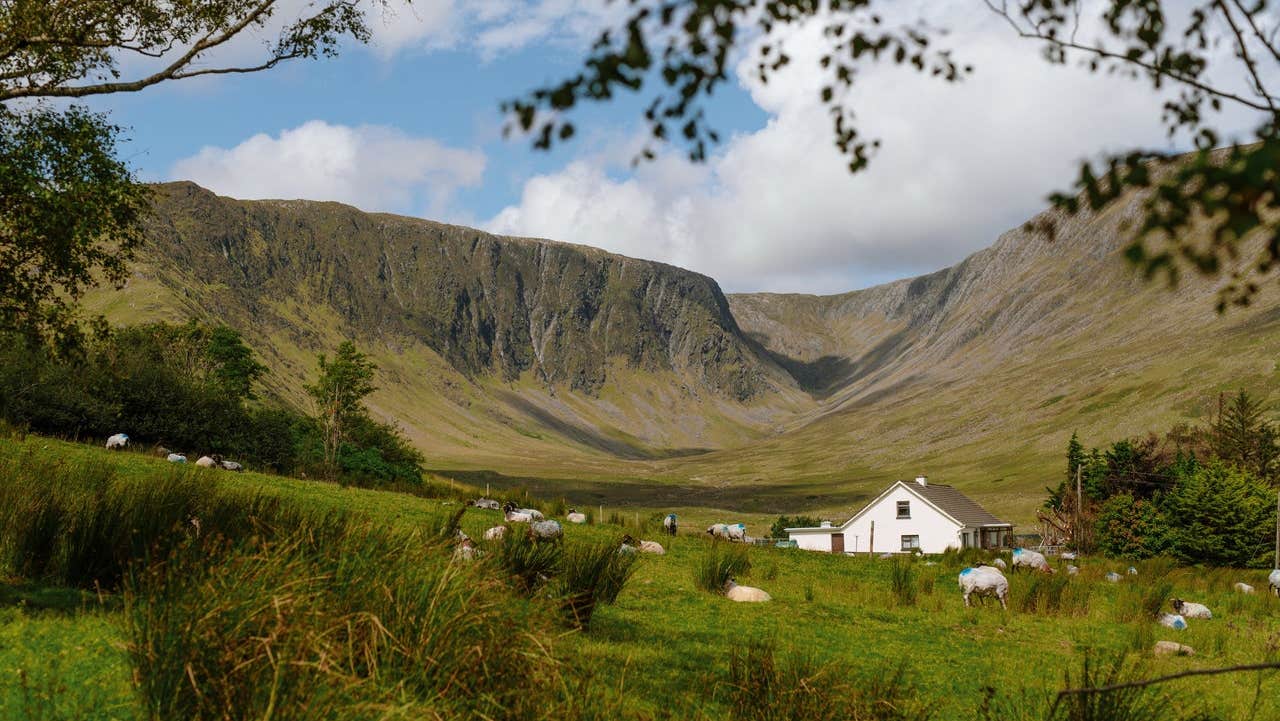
x,y
664,648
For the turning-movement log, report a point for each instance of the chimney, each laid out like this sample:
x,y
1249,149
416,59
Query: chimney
x,y
922,480
826,524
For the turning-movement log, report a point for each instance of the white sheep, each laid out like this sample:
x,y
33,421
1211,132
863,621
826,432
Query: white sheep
x,y
1189,609
1000,564
529,514
1133,571
1174,621
546,530
117,441
738,533
1072,570
718,530
1022,558
231,466
1274,581
744,594
1068,555
176,458
652,547
984,581
486,503
1114,577
206,462
495,533
1242,587
574,517
669,524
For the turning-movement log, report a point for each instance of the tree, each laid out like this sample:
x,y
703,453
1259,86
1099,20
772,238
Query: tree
x,y
338,391
684,49
1243,436
1129,527
1222,516
70,211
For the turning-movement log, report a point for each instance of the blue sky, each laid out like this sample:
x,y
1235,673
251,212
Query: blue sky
x,y
411,125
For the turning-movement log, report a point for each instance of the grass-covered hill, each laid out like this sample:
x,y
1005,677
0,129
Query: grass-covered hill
x,y
582,373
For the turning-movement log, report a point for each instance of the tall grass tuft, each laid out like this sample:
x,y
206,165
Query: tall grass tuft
x,y
719,563
526,563
902,579
1143,600
762,688
1142,703
588,575
1057,594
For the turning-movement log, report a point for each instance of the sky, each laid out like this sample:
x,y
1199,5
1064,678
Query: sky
x,y
410,124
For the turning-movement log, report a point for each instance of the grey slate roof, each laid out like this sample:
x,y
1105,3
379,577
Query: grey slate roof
x,y
956,504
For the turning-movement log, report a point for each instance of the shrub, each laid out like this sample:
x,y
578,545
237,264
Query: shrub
x,y
902,580
719,563
526,563
587,575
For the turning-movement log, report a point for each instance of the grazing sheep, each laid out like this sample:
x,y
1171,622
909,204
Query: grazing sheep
x,y
1114,577
176,458
1072,570
546,531
1242,587
206,462
1169,620
669,524
984,581
1274,581
738,533
117,441
574,517
1022,558
231,466
1189,609
495,533
1000,564
487,503
1172,648
744,594
718,530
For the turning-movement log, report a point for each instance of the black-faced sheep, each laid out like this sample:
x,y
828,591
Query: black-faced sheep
x,y
669,524
1189,609
574,517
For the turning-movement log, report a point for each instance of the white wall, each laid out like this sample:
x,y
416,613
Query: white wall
x,y
936,531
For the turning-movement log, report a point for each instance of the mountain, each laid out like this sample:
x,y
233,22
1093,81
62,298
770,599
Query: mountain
x,y
581,372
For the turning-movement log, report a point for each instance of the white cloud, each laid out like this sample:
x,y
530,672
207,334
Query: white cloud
x,y
372,167
491,27
776,209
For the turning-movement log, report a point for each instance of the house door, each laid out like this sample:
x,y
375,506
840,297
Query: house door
x,y
837,543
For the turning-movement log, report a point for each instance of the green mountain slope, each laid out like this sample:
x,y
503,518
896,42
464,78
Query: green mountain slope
x,y
582,372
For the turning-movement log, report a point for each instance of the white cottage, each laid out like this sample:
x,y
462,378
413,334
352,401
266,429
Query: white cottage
x,y
909,517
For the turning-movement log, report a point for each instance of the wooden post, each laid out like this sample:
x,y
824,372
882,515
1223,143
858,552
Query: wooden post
x,y
486,490
1075,530
871,545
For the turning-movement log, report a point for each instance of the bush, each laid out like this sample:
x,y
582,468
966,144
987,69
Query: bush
x,y
719,563
780,526
526,563
587,575
902,579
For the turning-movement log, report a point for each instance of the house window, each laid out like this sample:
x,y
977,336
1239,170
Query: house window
x,y
904,509
910,543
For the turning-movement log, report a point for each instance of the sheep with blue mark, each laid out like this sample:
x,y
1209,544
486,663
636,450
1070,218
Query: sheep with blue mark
x,y
738,533
1173,620
1274,581
669,524
176,458
984,581
117,441
719,531
1032,560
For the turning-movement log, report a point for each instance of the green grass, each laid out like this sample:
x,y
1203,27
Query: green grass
x,y
666,643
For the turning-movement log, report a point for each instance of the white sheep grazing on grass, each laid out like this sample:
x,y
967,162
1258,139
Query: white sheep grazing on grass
x,y
206,462
117,441
1000,564
669,524
744,594
1022,558
1189,609
1274,581
546,531
574,517
495,533
984,581
738,533
1242,587
176,458
718,530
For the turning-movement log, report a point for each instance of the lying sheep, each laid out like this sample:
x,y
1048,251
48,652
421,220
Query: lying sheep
x,y
1174,621
574,517
1022,558
176,458
231,466
669,524
206,462
718,530
1242,587
1133,571
1114,577
486,503
1072,570
527,514
546,531
1000,564
1190,609
117,441
744,594
495,533
984,581
1274,581
652,547
1068,556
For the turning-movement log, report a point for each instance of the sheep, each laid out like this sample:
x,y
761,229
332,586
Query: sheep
x,y
574,517
738,533
744,594
117,441
1174,621
1189,609
466,551
176,458
1000,564
231,466
669,524
1114,577
718,530
1022,558
524,515
486,503
206,462
1242,587
652,547
1133,571
546,531
1067,555
1273,581
1072,570
1172,648
495,533
984,581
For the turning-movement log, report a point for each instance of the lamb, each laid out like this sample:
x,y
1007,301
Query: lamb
x,y
744,594
117,441
1189,609
984,581
546,531
1242,587
206,462
1000,564
718,530
495,533
669,524
1174,621
1274,581
574,517
176,458
1022,558
487,503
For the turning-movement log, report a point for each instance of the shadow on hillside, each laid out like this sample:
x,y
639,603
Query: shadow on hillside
x,y
49,599
825,376
754,497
